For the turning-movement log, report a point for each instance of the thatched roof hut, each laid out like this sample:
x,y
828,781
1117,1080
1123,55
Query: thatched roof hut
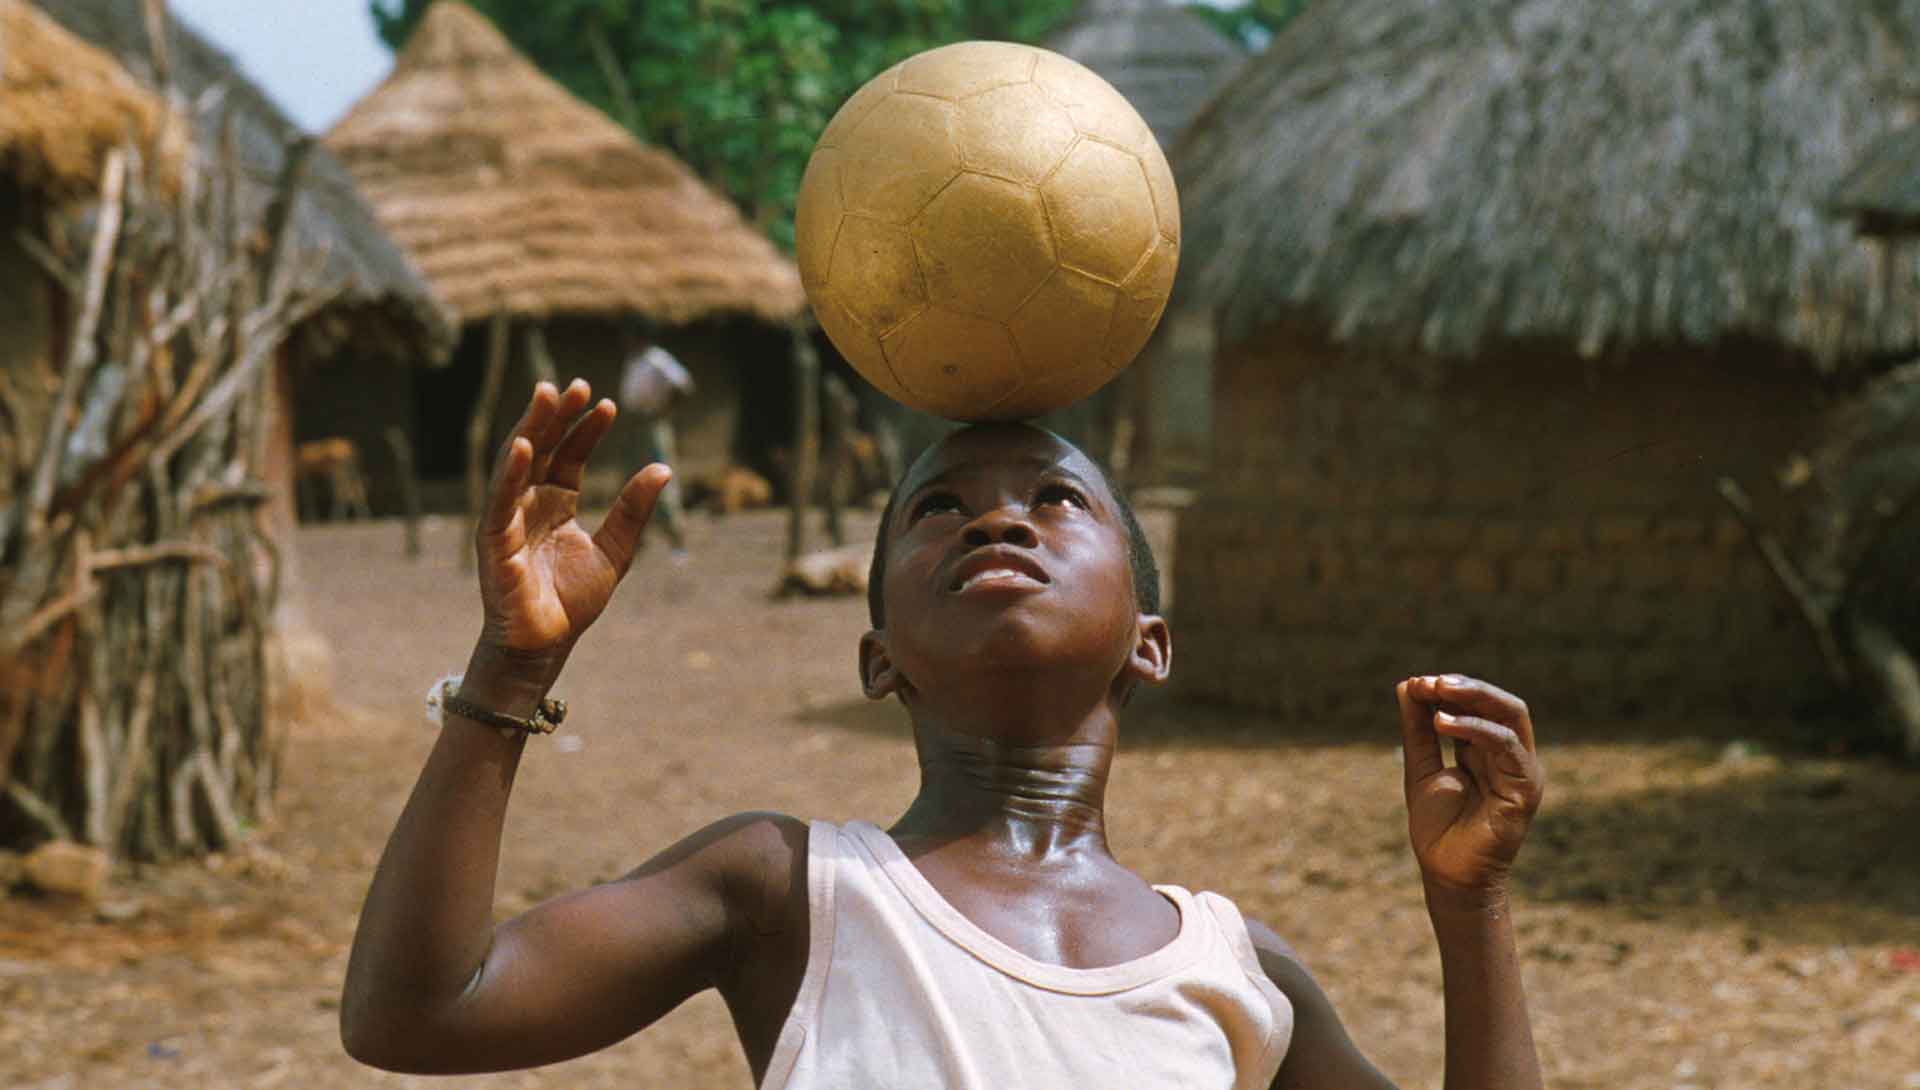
x,y
378,290
1452,173
514,195
1505,290
63,106
1165,59
1883,191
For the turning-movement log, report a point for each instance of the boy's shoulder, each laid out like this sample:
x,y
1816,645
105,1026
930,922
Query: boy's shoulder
x,y
754,861
755,841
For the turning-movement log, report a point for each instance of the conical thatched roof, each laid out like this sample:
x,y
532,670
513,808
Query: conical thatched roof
x,y
1883,191
63,106
1444,174
1165,59
375,282
513,194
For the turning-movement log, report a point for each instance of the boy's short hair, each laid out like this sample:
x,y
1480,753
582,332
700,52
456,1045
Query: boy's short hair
x,y
1146,571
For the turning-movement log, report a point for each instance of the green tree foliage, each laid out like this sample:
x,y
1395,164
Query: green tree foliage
x,y
1252,23
738,89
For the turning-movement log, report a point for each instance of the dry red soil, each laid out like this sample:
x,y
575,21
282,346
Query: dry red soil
x,y
1691,915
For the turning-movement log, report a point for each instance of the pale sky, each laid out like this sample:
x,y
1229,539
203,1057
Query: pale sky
x,y
315,58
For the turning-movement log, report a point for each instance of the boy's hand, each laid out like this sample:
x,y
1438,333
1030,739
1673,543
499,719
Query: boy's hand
x,y
543,578
1467,820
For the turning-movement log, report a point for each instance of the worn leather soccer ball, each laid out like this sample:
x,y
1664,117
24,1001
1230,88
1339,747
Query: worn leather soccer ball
x,y
988,231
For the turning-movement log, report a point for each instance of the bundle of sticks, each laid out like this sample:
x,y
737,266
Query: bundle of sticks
x,y
137,573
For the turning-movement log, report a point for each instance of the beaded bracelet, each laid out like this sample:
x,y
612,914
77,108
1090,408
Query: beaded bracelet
x,y
444,697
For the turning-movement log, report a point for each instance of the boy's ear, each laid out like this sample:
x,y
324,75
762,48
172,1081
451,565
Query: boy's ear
x,y
1152,658
879,678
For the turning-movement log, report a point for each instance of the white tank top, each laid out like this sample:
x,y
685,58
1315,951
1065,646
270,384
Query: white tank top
x,y
901,990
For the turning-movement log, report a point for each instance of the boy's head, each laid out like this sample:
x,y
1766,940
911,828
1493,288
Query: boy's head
x,y
1006,554
1146,570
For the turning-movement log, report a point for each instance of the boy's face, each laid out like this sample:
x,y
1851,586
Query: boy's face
x,y
1007,557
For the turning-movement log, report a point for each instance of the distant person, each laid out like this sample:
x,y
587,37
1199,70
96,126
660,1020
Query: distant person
x,y
652,384
988,938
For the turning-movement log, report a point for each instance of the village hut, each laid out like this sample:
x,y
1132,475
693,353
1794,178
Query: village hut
x,y
1168,62
161,282
1503,290
521,202
382,319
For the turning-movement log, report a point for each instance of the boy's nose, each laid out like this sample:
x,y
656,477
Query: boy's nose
x,y
1005,525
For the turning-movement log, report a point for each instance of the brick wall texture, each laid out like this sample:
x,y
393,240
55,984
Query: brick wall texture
x,y
1545,522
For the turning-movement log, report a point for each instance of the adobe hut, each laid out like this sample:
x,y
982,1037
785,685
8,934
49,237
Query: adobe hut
x,y
1503,289
1168,62
381,320
154,289
519,200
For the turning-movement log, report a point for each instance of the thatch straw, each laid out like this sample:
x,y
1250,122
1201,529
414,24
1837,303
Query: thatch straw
x,y
1165,59
515,196
1441,174
380,298
1883,191
63,106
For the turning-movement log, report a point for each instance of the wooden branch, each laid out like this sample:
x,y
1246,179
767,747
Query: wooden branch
x,y
1890,663
155,12
94,778
409,486
219,800
50,263
131,768
279,216
1817,616
135,556
625,110
480,425
260,348
81,590
43,814
1884,518
82,350
539,360
806,439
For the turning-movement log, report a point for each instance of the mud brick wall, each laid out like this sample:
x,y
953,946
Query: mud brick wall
x,y
1546,523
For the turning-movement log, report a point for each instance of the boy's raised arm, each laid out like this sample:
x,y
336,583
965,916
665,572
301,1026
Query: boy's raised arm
x,y
1466,821
432,985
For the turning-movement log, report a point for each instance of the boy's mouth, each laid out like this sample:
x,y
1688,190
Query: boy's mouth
x,y
996,567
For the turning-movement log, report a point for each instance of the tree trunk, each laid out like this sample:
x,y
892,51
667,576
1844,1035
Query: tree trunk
x,y
806,438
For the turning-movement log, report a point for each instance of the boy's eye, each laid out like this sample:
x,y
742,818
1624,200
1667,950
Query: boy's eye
x,y
934,503
1061,493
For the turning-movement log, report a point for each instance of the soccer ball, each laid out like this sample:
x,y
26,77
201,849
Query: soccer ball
x,y
988,231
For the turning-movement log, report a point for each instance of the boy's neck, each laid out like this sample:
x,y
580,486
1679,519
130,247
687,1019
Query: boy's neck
x,y
1033,801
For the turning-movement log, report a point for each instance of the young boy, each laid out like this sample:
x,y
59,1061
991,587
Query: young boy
x,y
988,938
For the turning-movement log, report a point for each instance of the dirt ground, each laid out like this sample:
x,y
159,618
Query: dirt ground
x,y
1695,911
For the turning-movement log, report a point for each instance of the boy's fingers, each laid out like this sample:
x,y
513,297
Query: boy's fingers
x,y
1422,743
532,422
509,481
1509,768
619,535
1486,701
572,400
569,465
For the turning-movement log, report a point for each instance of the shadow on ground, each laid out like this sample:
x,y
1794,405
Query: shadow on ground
x,y
1819,851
